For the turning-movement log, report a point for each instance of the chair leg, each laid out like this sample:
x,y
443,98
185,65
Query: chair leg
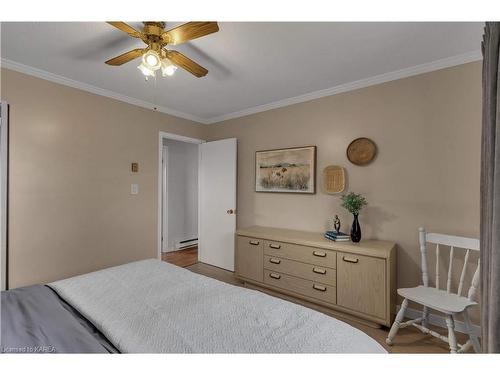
x,y
397,322
425,316
472,337
452,339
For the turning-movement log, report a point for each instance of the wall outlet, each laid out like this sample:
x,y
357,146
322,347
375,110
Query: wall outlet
x,y
134,189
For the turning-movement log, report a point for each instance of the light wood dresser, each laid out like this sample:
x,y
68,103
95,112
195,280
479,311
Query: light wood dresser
x,y
358,279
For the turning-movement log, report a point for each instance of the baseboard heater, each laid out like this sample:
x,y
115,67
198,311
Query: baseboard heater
x,y
184,244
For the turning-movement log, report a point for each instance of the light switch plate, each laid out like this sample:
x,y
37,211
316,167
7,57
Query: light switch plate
x,y
134,189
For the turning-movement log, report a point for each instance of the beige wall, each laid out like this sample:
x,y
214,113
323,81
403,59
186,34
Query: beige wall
x,y
427,129
71,210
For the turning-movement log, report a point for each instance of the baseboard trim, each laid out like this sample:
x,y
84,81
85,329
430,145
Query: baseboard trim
x,y
439,321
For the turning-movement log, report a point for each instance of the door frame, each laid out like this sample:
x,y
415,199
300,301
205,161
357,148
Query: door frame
x,y
174,137
164,197
4,186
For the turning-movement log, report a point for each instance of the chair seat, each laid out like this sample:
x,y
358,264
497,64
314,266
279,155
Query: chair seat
x,y
436,299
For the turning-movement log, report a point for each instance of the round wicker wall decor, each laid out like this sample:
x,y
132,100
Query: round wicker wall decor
x,y
361,151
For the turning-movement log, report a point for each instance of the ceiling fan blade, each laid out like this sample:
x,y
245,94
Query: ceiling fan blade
x,y
125,57
122,26
186,63
189,31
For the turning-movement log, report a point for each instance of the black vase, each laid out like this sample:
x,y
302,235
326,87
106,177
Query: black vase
x,y
355,230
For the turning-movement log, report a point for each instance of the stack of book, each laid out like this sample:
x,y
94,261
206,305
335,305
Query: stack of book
x,y
337,236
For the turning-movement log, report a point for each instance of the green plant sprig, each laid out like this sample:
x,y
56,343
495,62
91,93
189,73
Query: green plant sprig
x,y
353,202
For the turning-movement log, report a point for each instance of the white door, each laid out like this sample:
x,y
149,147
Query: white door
x,y
217,203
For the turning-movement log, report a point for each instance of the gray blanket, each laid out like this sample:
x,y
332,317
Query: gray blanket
x,y
154,307
35,320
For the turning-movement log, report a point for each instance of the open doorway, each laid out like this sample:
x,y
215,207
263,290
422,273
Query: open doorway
x,y
196,200
179,199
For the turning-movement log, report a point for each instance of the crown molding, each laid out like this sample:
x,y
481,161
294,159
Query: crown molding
x,y
355,85
12,65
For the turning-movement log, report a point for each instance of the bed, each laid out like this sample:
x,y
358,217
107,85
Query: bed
x,y
155,307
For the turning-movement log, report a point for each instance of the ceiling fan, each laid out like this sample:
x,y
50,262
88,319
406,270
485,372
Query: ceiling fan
x,y
155,56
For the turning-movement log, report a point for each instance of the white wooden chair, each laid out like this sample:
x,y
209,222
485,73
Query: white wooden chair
x,y
441,300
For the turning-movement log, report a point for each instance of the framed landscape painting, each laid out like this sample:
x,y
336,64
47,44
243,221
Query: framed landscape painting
x,y
288,170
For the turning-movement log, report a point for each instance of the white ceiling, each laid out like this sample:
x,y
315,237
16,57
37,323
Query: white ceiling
x,y
252,66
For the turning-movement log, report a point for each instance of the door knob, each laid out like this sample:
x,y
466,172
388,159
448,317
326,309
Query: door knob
x,y
231,211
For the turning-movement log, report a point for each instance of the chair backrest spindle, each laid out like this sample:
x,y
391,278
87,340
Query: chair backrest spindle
x,y
423,251
450,267
437,266
475,283
462,275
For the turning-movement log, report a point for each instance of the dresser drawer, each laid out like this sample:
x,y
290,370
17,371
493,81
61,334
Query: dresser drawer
x,y
305,254
307,288
312,272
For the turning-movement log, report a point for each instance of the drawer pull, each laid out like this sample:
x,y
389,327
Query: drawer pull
x,y
321,271
253,242
275,276
274,261
273,246
321,288
319,254
350,260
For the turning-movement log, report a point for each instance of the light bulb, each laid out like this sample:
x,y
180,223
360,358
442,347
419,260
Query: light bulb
x,y
151,60
167,69
145,70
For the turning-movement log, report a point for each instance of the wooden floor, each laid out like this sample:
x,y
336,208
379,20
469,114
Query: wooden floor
x,y
408,340
181,258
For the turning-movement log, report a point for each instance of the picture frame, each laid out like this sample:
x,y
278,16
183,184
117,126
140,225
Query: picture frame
x,y
286,170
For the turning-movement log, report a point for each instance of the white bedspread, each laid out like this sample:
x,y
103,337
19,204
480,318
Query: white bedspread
x,y
154,307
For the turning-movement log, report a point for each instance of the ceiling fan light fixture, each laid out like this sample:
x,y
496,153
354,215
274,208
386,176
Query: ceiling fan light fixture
x,y
145,70
167,68
151,60
156,38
